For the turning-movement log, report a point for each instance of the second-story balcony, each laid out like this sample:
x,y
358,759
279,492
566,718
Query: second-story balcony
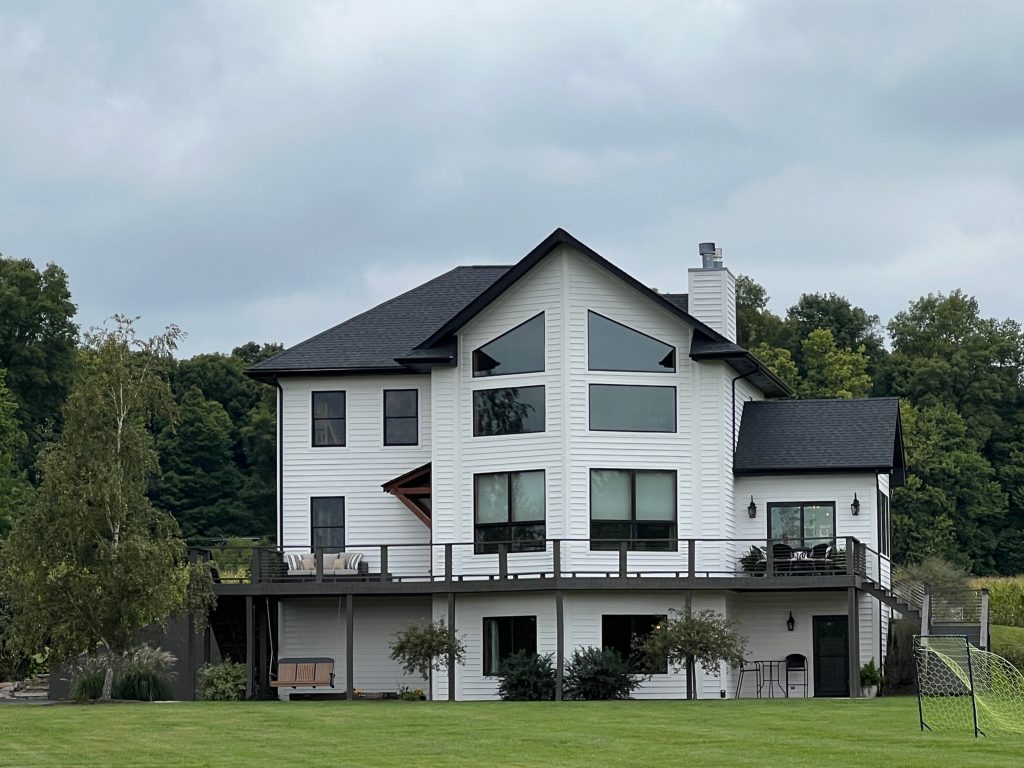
x,y
691,563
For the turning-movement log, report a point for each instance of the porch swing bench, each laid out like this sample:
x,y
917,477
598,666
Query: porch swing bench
x,y
307,672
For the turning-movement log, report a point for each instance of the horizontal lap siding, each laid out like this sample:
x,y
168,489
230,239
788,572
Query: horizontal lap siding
x,y
317,627
357,470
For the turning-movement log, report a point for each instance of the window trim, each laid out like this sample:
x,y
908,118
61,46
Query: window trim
x,y
314,528
803,538
544,362
314,419
544,414
611,545
415,418
484,547
673,347
675,407
486,646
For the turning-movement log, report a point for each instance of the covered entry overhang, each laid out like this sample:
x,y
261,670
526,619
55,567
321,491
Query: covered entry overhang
x,y
413,490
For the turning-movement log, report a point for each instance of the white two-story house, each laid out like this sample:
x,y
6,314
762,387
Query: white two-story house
x,y
552,455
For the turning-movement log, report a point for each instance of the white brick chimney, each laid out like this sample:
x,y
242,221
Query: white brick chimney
x,y
712,298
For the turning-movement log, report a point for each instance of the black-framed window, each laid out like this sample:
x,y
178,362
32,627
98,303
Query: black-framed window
x,y
883,523
401,417
520,350
632,408
623,633
505,635
612,346
633,505
328,419
508,411
802,523
327,522
509,507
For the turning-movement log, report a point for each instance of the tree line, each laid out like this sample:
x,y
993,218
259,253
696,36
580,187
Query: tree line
x,y
958,374
215,444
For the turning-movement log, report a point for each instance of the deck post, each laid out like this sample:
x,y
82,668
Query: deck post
x,y
623,560
384,562
853,641
556,561
451,646
448,562
249,649
350,689
559,644
262,621
983,629
691,557
503,561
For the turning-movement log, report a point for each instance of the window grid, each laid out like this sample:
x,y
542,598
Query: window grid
x,y
640,533
328,419
327,523
401,427
521,534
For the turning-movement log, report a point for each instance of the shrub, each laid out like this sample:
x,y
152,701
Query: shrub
x,y
87,679
145,674
598,673
527,677
222,682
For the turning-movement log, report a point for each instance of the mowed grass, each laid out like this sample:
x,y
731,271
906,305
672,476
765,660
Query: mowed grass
x,y
791,733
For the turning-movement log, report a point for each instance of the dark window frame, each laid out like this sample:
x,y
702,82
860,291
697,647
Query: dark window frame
x,y
543,412
635,663
884,529
509,634
674,352
514,545
482,373
415,418
675,407
314,418
803,538
314,528
634,542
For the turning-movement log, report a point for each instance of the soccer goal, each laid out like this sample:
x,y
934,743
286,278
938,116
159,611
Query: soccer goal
x,y
963,688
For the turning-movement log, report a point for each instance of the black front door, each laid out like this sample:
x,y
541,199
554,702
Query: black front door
x,y
831,659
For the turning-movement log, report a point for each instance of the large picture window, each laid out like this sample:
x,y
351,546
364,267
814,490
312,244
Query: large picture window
x,y
401,417
625,408
637,506
509,507
506,635
328,419
613,346
520,350
327,517
624,633
802,524
508,411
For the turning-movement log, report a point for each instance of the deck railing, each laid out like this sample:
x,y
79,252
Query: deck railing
x,y
548,559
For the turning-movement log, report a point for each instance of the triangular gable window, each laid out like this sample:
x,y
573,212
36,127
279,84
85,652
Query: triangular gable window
x,y
616,347
520,350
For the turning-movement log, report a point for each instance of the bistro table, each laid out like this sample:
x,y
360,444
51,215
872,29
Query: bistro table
x,y
770,674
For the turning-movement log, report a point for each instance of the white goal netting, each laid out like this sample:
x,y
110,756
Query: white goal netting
x,y
963,688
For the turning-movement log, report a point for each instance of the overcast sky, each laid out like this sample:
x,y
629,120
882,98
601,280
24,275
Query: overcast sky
x,y
262,171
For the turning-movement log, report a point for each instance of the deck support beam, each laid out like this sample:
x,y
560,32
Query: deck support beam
x,y
559,644
853,641
249,647
350,622
451,646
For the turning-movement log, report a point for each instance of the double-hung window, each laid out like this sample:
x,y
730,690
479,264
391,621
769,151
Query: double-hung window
x,y
509,508
401,417
637,506
328,419
327,518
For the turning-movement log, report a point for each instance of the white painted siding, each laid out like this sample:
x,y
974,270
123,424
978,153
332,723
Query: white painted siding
x,y
317,626
356,470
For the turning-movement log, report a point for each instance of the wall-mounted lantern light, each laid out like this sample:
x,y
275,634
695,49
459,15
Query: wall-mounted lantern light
x,y
752,507
855,507
790,622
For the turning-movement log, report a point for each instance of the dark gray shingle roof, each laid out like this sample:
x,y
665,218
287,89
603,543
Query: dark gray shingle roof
x,y
780,436
372,340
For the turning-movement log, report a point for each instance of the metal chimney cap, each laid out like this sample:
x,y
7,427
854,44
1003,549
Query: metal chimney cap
x,y
706,249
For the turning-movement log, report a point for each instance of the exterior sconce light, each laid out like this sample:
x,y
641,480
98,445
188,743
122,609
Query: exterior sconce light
x,y
790,622
855,507
752,507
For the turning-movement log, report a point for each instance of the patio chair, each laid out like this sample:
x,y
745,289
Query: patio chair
x,y
796,665
782,557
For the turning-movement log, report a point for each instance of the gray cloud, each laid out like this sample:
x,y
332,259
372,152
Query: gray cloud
x,y
262,171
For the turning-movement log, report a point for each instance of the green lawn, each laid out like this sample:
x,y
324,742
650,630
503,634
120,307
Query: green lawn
x,y
863,733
